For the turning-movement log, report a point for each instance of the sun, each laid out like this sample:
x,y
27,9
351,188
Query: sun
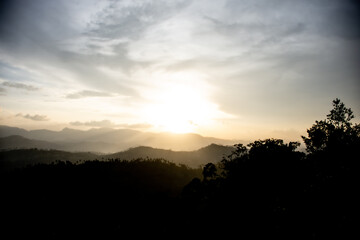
x,y
179,112
180,105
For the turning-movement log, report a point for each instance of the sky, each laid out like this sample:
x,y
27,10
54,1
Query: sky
x,y
235,69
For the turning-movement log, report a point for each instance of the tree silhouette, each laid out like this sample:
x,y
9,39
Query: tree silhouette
x,y
209,171
334,132
268,147
340,116
330,176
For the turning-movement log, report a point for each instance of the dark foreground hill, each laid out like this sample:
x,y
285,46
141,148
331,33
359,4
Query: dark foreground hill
x,y
269,190
94,199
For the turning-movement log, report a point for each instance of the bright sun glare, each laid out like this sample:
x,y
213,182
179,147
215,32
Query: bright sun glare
x,y
179,105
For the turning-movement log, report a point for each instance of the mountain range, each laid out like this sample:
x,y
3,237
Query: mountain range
x,y
101,140
18,158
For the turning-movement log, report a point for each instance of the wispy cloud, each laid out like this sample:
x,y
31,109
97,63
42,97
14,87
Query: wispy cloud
x,y
135,126
110,124
102,123
20,86
87,93
35,117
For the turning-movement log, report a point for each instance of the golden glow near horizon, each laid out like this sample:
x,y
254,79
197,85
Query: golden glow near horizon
x,y
181,103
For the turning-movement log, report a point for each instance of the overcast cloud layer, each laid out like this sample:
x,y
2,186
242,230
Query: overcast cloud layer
x,y
270,66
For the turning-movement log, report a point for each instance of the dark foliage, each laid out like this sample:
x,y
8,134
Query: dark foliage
x,y
334,134
269,190
92,199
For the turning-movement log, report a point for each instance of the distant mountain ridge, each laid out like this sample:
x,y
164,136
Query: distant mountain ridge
x,y
105,140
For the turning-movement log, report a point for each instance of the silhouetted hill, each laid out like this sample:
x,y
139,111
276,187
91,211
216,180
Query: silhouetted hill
x,y
6,131
17,142
23,157
109,140
212,153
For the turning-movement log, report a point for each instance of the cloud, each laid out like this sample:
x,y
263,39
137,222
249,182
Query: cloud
x,y
35,37
87,93
130,19
13,73
110,124
2,91
102,123
20,86
135,126
35,117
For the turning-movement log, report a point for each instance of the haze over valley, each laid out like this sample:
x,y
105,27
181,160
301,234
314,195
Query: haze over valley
x,y
102,140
